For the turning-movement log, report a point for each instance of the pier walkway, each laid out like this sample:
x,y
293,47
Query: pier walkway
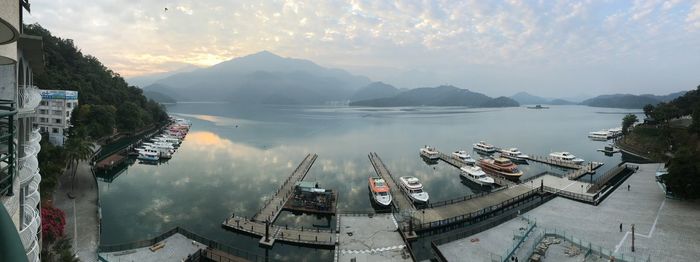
x,y
400,200
274,205
580,170
261,224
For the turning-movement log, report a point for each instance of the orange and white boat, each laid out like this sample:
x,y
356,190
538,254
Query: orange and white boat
x,y
500,166
380,191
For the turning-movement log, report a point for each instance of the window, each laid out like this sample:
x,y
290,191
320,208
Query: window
x,y
69,104
57,103
54,130
43,120
56,112
67,113
57,121
43,111
44,103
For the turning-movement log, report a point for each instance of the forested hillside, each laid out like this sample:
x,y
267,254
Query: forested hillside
x,y
106,100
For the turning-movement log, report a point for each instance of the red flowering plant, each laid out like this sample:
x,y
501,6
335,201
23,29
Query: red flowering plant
x,y
53,220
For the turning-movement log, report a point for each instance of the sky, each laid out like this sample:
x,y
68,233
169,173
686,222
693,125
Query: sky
x,y
548,48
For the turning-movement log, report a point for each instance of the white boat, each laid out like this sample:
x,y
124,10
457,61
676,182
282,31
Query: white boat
x,y
484,147
414,189
148,154
175,142
161,152
615,132
476,175
380,191
429,152
601,135
566,157
514,154
463,156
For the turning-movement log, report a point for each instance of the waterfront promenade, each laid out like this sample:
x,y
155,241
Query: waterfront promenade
x,y
82,222
665,229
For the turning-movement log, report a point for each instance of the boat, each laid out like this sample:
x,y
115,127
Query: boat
x,y
601,135
476,175
148,155
462,155
513,154
484,147
429,152
380,191
414,189
537,107
566,157
161,152
500,166
609,149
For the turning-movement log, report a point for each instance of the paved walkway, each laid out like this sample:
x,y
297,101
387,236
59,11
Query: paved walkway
x,y
665,229
81,212
176,248
362,239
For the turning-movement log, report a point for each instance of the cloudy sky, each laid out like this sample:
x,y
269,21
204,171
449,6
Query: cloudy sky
x,y
549,48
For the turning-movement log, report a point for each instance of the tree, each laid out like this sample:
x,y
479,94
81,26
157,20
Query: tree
x,y
129,115
627,122
77,148
683,177
648,110
695,126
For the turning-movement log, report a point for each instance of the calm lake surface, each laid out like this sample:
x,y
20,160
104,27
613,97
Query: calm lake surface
x,y
235,156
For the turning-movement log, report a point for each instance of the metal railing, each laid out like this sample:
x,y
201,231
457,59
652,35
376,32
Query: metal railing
x,y
609,175
28,98
7,148
31,224
586,246
178,230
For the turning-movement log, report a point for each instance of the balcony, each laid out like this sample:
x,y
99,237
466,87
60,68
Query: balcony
x,y
33,252
29,98
7,146
30,227
34,137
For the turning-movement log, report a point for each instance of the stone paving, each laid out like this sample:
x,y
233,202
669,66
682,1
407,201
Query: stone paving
x,y
665,229
177,248
375,238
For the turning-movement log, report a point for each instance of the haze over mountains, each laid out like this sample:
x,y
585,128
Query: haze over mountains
x,y
266,78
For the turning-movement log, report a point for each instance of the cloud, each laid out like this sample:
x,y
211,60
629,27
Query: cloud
x,y
530,37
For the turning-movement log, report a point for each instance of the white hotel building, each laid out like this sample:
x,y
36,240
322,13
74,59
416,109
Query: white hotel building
x,y
54,113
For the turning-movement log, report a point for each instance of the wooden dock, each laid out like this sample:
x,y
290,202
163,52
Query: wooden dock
x,y
441,213
110,161
584,170
400,200
261,224
501,181
274,205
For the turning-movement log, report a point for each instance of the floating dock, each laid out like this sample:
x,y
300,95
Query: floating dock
x,y
501,181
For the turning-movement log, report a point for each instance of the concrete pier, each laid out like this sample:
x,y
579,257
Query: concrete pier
x,y
370,237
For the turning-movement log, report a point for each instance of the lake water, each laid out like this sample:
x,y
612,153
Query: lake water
x,y
235,156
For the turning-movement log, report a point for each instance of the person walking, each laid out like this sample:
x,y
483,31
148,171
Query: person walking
x,y
620,227
628,187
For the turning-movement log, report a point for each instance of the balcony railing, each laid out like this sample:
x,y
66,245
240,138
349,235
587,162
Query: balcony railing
x,y
29,229
34,137
7,146
29,98
33,252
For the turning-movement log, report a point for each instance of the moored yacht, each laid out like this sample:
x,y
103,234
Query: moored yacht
x,y
414,189
476,175
500,166
148,154
513,154
566,157
601,135
429,152
463,156
484,147
380,191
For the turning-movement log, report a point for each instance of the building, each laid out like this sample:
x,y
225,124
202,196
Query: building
x,y
20,57
54,113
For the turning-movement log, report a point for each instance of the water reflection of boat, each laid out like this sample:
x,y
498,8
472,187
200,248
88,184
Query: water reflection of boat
x,y
537,107
429,161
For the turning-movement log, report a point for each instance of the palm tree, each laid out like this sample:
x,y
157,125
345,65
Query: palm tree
x,y
77,148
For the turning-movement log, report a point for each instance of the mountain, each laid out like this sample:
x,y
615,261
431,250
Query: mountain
x,y
666,98
145,80
159,97
262,78
528,99
435,96
373,91
621,101
501,101
560,102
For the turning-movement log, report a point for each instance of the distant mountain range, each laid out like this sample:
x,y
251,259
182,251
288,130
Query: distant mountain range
x,y
613,101
437,96
146,80
266,78
630,101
